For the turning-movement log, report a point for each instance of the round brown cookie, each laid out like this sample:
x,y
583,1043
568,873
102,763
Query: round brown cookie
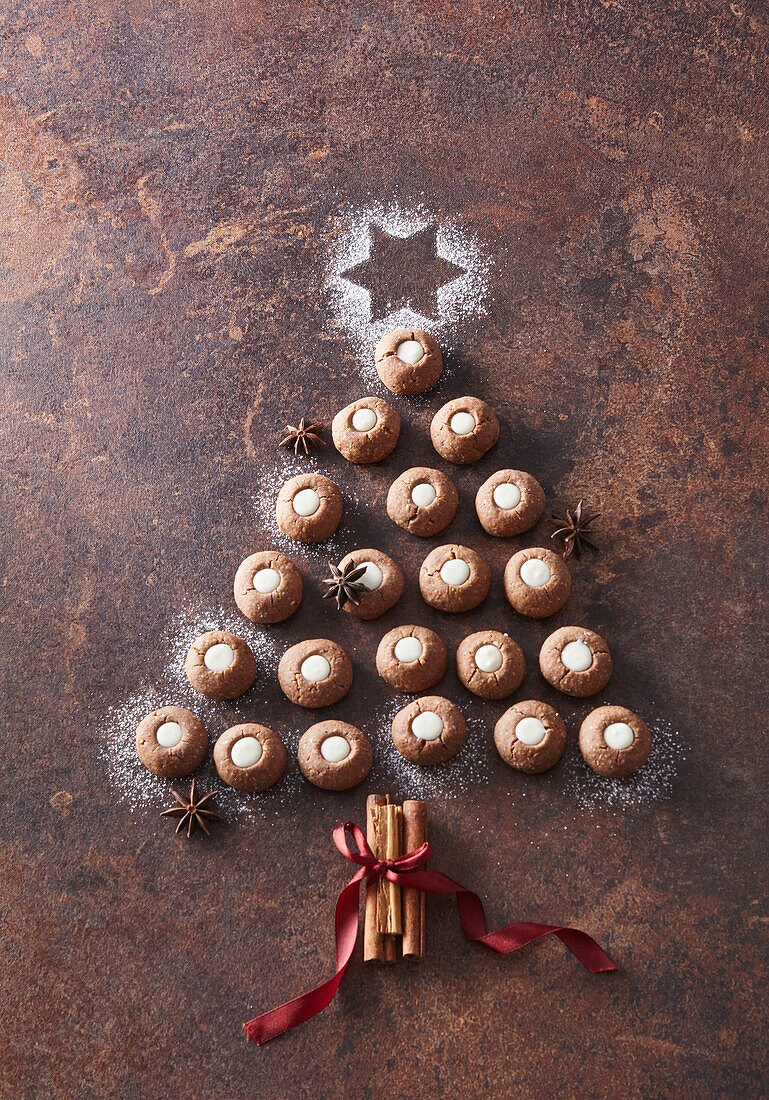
x,y
509,503
268,587
315,673
309,508
490,664
220,665
383,581
335,755
464,429
576,661
422,501
408,360
411,658
429,731
171,742
530,737
614,741
454,578
250,757
366,431
537,582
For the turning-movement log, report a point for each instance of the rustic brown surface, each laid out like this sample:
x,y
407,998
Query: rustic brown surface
x,y
169,180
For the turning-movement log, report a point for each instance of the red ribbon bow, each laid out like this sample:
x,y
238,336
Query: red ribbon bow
x,y
405,870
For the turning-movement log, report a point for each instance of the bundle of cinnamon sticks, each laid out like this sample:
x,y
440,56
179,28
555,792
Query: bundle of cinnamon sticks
x,y
392,911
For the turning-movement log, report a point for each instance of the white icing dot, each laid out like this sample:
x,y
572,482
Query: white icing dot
x,y
266,580
219,657
576,656
372,578
335,748
530,731
488,658
246,752
306,502
423,494
506,495
462,423
535,572
363,420
409,351
455,571
408,650
169,734
427,726
618,735
315,668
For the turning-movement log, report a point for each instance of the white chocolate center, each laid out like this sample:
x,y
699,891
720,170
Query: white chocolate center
x,y
246,752
506,495
363,420
335,748
306,502
169,734
455,571
530,731
373,577
488,658
219,657
618,735
535,572
408,650
462,423
423,494
266,580
576,656
315,668
409,351
427,726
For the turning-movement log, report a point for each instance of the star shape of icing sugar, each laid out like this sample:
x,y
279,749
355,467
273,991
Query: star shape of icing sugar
x,y
403,272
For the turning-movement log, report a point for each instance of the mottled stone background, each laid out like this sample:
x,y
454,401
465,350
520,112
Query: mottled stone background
x,y
170,182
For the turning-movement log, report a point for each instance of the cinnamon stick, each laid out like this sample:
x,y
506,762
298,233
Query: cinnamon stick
x,y
376,946
390,894
413,902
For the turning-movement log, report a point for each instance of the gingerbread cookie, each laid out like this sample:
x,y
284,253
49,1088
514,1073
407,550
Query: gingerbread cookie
x,y
335,755
382,583
315,673
268,587
509,503
366,431
537,582
171,742
411,658
309,508
576,661
490,664
464,430
250,757
408,361
614,742
454,578
530,737
429,731
422,501
220,665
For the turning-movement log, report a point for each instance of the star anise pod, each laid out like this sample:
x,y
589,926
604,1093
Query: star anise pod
x,y
305,435
191,810
576,529
345,584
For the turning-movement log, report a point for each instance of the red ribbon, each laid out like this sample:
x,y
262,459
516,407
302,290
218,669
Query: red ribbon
x,y
405,871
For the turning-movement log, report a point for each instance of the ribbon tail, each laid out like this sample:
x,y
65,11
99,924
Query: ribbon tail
x,y
270,1024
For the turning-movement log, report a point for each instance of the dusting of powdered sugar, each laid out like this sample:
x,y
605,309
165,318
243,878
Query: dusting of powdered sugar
x,y
459,301
652,783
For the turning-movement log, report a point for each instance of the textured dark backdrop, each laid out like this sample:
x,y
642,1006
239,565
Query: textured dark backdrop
x,y
169,179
